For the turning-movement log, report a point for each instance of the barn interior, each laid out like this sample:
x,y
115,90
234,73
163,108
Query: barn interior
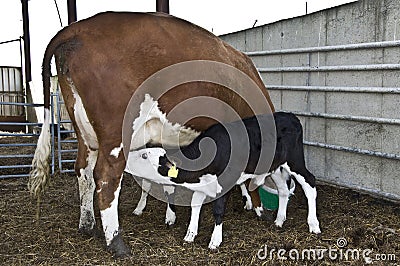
x,y
336,69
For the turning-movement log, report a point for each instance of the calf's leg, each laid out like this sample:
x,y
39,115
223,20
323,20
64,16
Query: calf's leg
x,y
146,186
255,200
219,206
197,201
280,176
311,194
246,197
170,216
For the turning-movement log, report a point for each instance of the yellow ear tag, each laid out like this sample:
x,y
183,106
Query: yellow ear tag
x,y
173,172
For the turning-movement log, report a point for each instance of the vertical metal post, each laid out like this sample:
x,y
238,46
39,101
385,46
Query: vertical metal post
x,y
27,42
27,52
58,107
162,6
52,133
72,17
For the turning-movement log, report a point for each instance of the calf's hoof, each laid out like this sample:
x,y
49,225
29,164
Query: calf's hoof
x,y
248,205
137,212
190,235
215,242
259,211
314,228
170,218
216,238
279,222
118,248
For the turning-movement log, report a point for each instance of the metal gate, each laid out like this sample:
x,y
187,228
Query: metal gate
x,y
66,140
18,136
17,148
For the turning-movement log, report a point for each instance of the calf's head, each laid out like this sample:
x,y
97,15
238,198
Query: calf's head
x,y
150,163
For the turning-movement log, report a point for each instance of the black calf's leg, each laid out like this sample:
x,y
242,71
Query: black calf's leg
x,y
219,206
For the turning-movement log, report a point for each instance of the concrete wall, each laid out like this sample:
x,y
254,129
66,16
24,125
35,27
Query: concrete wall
x,y
364,21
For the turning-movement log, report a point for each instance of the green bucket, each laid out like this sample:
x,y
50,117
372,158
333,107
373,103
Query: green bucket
x,y
269,194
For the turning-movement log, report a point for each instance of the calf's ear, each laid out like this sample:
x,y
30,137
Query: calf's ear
x,y
164,166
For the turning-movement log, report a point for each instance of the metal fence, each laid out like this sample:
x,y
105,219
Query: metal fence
x,y
17,148
66,146
318,121
317,68
17,145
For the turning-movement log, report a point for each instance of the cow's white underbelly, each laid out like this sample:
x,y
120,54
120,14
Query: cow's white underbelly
x,y
152,126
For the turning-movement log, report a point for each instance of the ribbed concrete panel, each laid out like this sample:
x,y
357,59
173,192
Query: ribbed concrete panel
x,y
339,69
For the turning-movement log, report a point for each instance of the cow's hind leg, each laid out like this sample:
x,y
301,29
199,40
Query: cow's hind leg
x,y
108,174
84,166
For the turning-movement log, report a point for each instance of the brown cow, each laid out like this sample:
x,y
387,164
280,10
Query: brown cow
x,y
101,62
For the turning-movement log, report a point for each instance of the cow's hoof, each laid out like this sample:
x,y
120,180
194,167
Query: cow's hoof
x,y
92,232
118,248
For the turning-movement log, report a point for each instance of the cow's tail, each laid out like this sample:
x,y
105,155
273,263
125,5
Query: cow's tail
x,y
40,173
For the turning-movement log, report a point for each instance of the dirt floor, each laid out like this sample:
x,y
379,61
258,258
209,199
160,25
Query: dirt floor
x,y
364,222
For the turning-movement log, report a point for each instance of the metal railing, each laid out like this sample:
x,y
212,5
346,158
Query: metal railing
x,y
370,67
331,48
17,149
308,68
384,90
62,150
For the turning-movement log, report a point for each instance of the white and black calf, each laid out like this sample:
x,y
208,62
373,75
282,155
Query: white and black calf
x,y
288,162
